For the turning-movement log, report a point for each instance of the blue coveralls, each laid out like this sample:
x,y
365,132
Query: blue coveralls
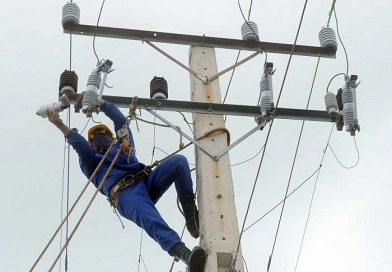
x,y
137,202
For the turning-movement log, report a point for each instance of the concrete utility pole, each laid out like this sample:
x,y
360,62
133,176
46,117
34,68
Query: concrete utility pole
x,y
218,220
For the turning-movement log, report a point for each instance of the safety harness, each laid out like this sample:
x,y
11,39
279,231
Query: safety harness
x,y
127,181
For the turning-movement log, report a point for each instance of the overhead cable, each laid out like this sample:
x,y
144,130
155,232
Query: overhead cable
x,y
239,51
95,32
267,138
330,12
340,39
277,205
292,168
347,167
311,200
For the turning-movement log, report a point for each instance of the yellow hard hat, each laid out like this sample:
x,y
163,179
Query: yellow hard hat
x,y
92,130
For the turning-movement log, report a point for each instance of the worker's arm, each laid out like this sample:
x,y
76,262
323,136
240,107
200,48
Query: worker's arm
x,y
84,150
116,116
56,120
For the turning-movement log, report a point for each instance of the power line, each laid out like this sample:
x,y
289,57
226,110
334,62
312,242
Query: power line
x,y
239,51
95,33
347,167
231,78
292,168
277,205
140,252
330,13
340,39
311,200
254,156
268,135
330,81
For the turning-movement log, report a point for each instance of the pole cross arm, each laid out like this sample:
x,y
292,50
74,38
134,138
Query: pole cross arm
x,y
213,108
194,40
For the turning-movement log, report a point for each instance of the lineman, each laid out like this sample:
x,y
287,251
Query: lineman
x,y
134,189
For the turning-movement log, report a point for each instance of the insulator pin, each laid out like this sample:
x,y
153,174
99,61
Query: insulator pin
x,y
68,82
158,88
250,31
327,38
71,15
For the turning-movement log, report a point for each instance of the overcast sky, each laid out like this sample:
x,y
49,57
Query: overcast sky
x,y
350,222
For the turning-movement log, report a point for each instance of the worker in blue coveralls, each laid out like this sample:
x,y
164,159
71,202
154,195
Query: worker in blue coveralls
x,y
144,187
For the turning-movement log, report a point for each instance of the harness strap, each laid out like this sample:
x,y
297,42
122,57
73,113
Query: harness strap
x,y
127,181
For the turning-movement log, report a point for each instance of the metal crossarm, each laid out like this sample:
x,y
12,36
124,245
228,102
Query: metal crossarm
x,y
184,39
214,108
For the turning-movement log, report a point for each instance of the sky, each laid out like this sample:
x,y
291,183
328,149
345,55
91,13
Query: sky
x,y
349,224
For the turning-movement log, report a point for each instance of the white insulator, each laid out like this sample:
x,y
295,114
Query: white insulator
x,y
94,79
90,99
348,107
45,110
331,104
266,93
159,96
71,15
327,38
250,31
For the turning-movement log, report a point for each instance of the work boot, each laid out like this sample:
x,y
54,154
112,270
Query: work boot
x,y
191,215
195,259
180,252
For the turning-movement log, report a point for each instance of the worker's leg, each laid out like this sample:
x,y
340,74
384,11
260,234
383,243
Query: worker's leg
x,y
176,169
135,204
173,169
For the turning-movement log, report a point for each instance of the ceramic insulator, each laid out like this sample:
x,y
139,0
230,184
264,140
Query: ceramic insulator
x,y
71,15
90,98
250,31
266,94
348,107
68,82
327,38
158,88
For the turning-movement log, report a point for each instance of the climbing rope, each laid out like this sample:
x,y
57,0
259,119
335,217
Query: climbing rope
x,y
72,207
87,208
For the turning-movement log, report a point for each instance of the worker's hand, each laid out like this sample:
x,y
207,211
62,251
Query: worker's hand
x,y
79,98
55,119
